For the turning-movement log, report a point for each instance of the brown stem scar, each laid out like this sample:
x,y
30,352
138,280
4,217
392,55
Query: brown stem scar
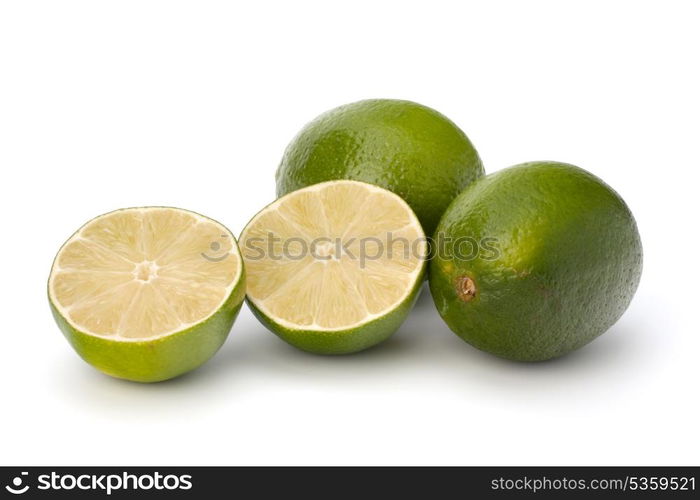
x,y
466,288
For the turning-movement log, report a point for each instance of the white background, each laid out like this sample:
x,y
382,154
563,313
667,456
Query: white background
x,y
113,104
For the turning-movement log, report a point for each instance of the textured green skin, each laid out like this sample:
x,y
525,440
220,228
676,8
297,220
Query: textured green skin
x,y
344,341
160,359
570,263
402,146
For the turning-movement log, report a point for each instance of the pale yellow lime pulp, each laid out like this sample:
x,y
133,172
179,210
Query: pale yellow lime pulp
x,y
301,278
143,273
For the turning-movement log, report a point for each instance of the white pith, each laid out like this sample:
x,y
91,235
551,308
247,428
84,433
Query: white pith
x,y
331,216
144,273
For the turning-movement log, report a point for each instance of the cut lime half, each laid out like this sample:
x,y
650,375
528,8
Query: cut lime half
x,y
335,267
147,294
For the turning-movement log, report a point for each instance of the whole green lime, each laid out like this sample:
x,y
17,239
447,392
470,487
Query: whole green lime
x,y
401,146
535,261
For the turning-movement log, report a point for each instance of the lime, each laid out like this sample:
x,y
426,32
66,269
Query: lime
x,y
560,259
402,146
147,294
336,267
